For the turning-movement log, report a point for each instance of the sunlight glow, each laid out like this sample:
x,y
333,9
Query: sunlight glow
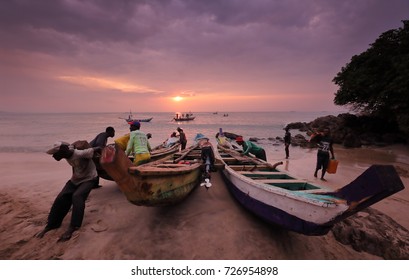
x,y
177,98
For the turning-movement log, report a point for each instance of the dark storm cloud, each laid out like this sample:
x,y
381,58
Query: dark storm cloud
x,y
63,24
196,46
47,24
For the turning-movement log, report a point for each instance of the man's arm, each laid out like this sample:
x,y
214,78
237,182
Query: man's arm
x,y
87,153
129,147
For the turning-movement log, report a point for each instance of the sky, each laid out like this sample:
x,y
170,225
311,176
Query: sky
x,y
183,55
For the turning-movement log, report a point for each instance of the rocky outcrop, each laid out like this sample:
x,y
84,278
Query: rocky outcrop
x,y
373,232
351,131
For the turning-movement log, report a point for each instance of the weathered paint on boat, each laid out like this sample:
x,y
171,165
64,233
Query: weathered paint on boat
x,y
150,184
298,205
162,182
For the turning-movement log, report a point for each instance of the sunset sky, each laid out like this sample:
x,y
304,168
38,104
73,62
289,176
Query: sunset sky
x,y
183,55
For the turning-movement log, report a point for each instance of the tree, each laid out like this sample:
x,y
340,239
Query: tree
x,y
376,82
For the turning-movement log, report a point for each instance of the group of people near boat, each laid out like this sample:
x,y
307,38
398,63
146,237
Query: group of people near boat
x,y
80,155
323,140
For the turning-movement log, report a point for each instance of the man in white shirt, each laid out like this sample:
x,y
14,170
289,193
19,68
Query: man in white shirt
x,y
75,191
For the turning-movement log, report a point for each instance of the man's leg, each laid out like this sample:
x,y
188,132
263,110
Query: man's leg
x,y
78,206
319,164
325,162
59,209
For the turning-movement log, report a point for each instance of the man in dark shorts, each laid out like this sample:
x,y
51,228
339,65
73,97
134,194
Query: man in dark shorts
x,y
324,143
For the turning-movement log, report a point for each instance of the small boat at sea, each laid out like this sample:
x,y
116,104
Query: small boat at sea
x,y
131,118
184,117
162,182
299,205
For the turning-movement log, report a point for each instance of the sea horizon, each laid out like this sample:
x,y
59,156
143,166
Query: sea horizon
x,y
35,132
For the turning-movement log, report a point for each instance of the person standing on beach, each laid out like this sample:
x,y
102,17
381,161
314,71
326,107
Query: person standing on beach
x,y
101,141
250,147
182,138
138,145
75,191
287,142
324,143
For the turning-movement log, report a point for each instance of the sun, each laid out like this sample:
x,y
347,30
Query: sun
x,y
177,98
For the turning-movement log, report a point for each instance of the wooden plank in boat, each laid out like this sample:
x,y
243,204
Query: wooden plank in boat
x,y
229,160
249,167
261,172
163,169
278,181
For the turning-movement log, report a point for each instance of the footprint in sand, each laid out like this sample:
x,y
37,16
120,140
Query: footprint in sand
x,y
99,226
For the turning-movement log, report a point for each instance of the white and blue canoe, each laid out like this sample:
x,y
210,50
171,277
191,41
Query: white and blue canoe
x,y
298,205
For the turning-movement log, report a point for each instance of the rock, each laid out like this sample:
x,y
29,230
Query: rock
x,y
301,126
352,141
299,140
373,232
354,131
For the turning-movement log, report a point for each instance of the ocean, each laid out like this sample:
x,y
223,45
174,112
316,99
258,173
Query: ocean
x,y
36,132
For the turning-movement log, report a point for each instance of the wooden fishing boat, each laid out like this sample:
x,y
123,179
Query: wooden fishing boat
x,y
298,205
162,151
159,183
159,152
184,117
131,120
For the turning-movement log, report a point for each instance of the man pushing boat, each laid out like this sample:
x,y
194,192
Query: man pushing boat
x,y
76,190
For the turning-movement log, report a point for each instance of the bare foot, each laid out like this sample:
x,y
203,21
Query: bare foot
x,y
43,232
67,234
322,179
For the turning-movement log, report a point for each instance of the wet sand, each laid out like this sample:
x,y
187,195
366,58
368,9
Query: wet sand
x,y
209,225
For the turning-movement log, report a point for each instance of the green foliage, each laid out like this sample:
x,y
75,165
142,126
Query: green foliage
x,y
377,81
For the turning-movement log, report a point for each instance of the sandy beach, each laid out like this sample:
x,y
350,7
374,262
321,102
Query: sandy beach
x,y
209,225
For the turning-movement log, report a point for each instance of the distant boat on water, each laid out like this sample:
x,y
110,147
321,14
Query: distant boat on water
x,y
131,119
184,117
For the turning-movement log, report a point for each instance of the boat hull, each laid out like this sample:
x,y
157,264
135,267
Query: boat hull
x,y
184,119
161,190
273,215
129,121
152,184
298,205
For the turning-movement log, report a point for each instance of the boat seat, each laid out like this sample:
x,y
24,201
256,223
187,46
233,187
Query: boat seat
x,y
281,181
248,167
229,160
261,173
